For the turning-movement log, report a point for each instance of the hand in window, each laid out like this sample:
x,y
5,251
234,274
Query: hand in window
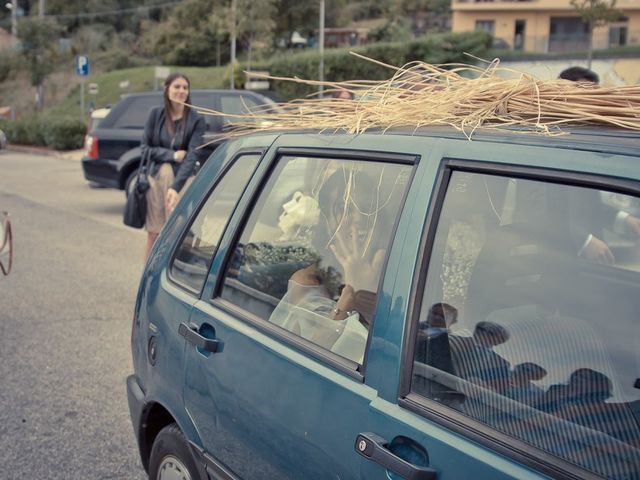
x,y
633,225
361,272
598,251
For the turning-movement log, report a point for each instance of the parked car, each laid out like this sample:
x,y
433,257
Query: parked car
x,y
113,148
399,305
6,244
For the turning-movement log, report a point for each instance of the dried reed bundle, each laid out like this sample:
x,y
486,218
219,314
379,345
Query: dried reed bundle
x,y
462,96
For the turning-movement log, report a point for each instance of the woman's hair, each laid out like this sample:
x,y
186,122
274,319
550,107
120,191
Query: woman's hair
x,y
167,103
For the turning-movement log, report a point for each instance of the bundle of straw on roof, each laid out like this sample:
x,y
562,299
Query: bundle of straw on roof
x,y
464,97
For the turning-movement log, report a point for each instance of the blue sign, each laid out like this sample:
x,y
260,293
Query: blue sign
x,y
82,65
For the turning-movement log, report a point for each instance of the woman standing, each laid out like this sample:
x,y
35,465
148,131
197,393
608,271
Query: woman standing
x,y
171,135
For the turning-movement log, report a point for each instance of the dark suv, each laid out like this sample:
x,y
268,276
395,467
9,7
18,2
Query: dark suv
x,y
113,149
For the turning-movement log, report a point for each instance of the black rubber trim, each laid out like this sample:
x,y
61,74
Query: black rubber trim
x,y
214,468
499,442
565,177
447,417
349,154
343,365
221,174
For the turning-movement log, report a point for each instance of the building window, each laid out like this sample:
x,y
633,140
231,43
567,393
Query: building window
x,y
486,25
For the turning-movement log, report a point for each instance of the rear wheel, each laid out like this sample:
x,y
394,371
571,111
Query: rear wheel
x,y
171,458
130,184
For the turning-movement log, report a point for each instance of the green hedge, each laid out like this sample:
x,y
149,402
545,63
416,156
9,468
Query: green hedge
x,y
340,65
61,133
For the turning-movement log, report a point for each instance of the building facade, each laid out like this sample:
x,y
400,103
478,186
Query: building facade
x,y
545,26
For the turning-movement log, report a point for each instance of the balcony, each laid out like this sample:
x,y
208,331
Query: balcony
x,y
510,5
530,5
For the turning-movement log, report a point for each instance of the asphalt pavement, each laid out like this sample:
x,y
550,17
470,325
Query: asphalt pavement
x,y
65,324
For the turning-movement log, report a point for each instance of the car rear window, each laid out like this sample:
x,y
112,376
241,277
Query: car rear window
x,y
137,112
237,105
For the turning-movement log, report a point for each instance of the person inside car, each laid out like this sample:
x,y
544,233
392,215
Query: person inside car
x,y
330,302
171,136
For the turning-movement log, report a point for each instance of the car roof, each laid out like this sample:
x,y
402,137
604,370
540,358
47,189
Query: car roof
x,y
587,138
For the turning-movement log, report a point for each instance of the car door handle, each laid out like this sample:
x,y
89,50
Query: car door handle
x,y
192,336
373,447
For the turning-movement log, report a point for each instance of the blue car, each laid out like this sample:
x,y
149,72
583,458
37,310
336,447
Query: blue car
x,y
396,305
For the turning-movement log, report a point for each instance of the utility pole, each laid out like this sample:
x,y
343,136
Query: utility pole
x,y
40,90
321,47
233,43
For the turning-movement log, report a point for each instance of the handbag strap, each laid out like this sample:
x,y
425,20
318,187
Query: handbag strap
x,y
144,164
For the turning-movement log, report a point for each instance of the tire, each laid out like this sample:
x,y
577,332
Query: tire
x,y
130,183
171,457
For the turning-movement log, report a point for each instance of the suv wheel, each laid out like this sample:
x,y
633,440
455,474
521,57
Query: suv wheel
x,y
130,184
171,458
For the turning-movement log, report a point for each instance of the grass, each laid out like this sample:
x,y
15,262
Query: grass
x,y
15,92
139,79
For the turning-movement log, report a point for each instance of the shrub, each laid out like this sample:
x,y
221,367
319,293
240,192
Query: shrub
x,y
340,65
28,131
64,133
61,133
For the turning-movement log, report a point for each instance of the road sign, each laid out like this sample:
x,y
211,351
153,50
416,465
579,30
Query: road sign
x,y
82,65
162,72
93,89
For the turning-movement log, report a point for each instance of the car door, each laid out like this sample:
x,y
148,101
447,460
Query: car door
x,y
274,378
507,366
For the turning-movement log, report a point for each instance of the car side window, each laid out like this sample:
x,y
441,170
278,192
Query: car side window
x,y
137,112
525,329
311,254
193,257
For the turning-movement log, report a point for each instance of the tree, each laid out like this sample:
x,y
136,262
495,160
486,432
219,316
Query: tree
x,y
39,41
255,23
595,13
189,36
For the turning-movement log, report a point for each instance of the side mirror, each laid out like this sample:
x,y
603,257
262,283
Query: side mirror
x,y
6,244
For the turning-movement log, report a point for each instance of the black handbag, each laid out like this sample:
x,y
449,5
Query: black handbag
x,y
135,210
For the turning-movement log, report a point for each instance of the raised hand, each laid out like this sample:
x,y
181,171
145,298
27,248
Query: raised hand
x,y
361,271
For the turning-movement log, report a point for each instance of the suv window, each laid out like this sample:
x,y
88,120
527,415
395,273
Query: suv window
x,y
193,257
137,112
523,329
311,254
237,105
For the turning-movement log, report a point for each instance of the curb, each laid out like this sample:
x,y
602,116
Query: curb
x,y
45,151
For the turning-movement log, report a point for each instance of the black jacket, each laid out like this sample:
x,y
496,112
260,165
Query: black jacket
x,y
188,139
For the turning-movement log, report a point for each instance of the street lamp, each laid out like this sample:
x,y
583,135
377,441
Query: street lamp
x,y
321,46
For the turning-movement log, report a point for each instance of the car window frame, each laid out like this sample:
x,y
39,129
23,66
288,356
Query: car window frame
x,y
333,360
457,422
225,168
